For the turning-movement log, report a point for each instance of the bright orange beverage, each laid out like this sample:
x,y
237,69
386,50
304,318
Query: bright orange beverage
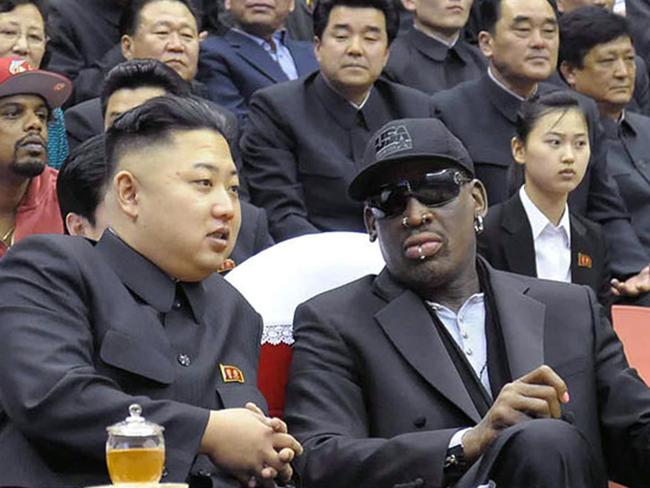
x,y
139,465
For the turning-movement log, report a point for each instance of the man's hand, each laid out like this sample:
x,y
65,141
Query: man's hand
x,y
535,395
248,444
633,286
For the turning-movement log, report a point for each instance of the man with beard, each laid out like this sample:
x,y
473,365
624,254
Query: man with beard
x,y
28,201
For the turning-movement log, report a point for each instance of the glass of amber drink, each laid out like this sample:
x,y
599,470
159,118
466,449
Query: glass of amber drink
x,y
135,449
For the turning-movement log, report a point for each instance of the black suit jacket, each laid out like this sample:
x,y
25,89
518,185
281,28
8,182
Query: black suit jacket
x,y
628,158
83,338
507,244
83,33
483,115
375,397
304,143
421,62
233,67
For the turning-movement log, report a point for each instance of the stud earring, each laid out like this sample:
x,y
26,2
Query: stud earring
x,y
478,224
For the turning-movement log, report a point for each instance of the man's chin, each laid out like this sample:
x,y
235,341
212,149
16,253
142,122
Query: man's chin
x,y
28,169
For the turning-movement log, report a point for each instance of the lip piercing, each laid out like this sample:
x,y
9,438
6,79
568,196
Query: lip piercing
x,y
420,252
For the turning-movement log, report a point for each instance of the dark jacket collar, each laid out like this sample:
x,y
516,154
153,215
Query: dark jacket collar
x,y
435,49
504,102
147,280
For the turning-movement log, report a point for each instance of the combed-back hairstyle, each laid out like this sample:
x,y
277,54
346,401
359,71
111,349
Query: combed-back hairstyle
x,y
130,18
154,121
585,28
530,113
138,73
83,179
323,9
490,13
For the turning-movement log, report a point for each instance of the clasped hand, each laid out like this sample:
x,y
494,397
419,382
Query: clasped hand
x,y
256,449
537,394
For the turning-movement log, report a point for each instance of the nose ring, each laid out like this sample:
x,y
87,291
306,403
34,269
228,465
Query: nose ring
x,y
425,218
405,222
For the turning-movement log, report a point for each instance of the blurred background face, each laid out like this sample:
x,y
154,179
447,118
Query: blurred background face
x,y
22,34
524,44
443,17
259,17
353,49
187,214
607,75
127,98
555,153
166,31
565,6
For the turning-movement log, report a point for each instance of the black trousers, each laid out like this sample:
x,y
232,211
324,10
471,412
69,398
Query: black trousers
x,y
540,453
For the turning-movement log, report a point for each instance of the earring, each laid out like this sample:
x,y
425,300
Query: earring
x,y
478,224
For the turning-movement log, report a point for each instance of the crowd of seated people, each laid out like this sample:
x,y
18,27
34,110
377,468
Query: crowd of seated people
x,y
496,151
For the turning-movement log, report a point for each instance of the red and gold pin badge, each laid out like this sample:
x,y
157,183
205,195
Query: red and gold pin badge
x,y
584,260
231,374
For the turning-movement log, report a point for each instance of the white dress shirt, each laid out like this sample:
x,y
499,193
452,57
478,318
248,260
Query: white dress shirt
x,y
552,242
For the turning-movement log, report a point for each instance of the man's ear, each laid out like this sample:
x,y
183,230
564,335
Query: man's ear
x,y
370,221
568,73
518,149
317,48
127,47
126,193
485,41
479,195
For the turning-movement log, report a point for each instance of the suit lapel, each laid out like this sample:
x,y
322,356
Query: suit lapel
x,y
410,328
255,55
522,323
582,254
303,57
518,245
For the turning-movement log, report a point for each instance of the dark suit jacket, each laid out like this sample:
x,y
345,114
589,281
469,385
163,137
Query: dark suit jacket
x,y
233,67
483,115
253,235
83,338
628,158
83,32
507,244
375,397
84,121
303,145
421,62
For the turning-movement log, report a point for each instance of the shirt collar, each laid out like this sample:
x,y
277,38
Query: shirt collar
x,y
278,37
505,88
336,94
147,280
539,221
445,42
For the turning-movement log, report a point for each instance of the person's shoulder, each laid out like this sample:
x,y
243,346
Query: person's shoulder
x,y
88,109
470,89
549,292
284,91
638,121
230,301
50,251
396,90
344,297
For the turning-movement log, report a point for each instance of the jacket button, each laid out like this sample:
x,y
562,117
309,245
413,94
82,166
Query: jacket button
x,y
176,305
184,360
420,422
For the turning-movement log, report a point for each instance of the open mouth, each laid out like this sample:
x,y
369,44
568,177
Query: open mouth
x,y
219,238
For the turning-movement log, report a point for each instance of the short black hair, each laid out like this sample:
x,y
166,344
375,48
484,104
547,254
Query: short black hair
x,y
155,120
138,73
490,13
585,28
323,8
529,114
130,18
83,179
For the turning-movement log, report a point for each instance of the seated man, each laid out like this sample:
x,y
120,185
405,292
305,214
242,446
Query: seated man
x,y
28,203
432,55
520,38
305,138
253,54
442,371
597,60
139,317
82,184
166,30
640,101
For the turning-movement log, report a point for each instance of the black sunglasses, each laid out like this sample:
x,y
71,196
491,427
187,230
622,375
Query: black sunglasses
x,y
432,190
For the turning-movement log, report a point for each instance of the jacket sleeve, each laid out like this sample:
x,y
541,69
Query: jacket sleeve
x,y
326,411
50,388
271,167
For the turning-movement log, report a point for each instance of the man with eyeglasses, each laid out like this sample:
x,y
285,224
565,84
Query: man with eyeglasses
x,y
441,371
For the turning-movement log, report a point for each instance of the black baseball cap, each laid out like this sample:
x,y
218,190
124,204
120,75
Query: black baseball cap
x,y
404,142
